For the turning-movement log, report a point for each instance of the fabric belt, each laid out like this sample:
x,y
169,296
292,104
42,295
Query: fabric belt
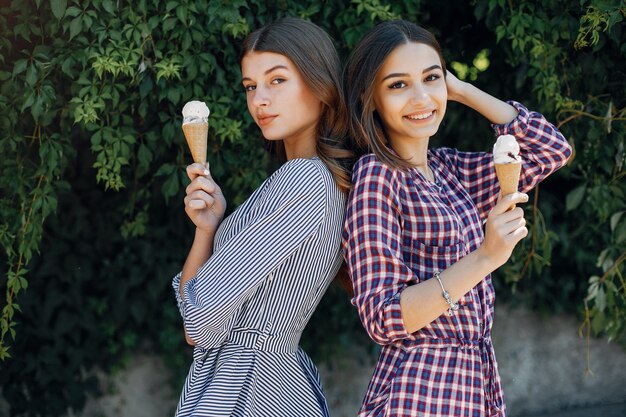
x,y
263,341
477,344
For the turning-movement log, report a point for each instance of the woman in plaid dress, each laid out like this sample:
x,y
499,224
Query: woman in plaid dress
x,y
414,226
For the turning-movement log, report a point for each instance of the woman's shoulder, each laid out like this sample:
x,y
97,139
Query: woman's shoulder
x,y
443,153
295,180
304,169
370,164
449,158
368,160
369,168
303,175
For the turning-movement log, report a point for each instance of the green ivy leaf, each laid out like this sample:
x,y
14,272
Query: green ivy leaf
x,y
615,219
575,197
75,27
58,8
37,108
181,13
108,6
600,300
170,186
73,11
165,169
31,76
4,353
169,24
620,233
144,156
19,66
598,322
28,102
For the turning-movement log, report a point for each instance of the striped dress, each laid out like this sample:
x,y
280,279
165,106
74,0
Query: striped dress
x,y
246,308
400,229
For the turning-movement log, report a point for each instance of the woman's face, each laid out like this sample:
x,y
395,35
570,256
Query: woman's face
x,y
279,100
410,93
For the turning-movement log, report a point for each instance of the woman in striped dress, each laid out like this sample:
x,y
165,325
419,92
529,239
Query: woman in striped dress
x,y
414,241
252,281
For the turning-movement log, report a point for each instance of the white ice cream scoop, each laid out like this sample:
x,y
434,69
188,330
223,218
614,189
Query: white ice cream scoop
x,y
506,150
195,112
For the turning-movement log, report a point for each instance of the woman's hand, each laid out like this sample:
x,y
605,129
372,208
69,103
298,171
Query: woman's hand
x,y
496,111
456,87
504,229
204,203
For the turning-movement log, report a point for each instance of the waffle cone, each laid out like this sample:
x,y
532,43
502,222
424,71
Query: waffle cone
x,y
196,135
508,177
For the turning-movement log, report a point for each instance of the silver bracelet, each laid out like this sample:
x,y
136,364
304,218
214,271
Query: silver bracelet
x,y
446,295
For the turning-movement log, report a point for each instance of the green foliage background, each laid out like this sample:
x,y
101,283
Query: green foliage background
x,y
92,165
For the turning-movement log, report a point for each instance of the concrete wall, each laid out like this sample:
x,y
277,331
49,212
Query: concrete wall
x,y
542,362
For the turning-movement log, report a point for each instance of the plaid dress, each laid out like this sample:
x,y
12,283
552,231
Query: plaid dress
x,y
400,228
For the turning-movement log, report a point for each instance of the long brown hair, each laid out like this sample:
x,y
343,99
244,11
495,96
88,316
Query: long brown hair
x,y
312,51
366,60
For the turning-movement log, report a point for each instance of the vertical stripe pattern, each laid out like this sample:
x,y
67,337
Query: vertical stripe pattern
x,y
400,228
246,308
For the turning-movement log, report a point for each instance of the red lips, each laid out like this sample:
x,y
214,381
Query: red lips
x,y
265,119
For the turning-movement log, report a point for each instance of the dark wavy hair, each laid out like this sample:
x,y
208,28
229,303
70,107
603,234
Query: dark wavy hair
x,y
312,51
364,63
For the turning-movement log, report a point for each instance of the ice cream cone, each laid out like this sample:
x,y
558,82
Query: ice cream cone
x,y
197,135
508,177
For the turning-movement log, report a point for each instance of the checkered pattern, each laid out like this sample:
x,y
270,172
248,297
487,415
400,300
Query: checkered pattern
x,y
399,229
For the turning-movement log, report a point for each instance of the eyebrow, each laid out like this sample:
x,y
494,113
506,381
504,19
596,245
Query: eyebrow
x,y
274,68
404,74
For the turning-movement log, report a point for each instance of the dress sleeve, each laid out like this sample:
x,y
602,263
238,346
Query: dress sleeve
x,y
542,147
373,251
295,203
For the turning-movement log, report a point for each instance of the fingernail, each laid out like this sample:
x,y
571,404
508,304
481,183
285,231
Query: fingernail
x,y
206,172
